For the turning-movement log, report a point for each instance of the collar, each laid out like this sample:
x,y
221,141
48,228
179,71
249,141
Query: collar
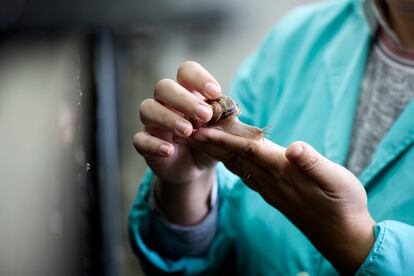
x,y
374,13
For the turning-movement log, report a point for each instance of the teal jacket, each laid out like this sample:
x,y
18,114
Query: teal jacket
x,y
304,81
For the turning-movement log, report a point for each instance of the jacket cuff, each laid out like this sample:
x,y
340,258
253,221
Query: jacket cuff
x,y
173,240
153,262
392,253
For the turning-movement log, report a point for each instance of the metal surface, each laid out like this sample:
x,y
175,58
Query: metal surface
x,y
108,152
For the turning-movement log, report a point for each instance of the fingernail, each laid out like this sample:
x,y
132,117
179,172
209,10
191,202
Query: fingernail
x,y
165,150
203,112
200,138
183,128
212,89
297,151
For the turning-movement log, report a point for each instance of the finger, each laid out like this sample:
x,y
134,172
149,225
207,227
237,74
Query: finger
x,y
154,114
174,95
217,152
270,183
193,76
262,151
316,166
202,158
270,186
198,95
247,171
159,133
148,145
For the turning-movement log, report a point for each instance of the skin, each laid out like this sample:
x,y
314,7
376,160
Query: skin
x,y
294,179
401,18
290,179
184,174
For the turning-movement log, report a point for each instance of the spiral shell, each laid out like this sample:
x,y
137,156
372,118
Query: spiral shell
x,y
223,108
225,112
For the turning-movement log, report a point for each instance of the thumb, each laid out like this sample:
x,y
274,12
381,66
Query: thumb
x,y
316,166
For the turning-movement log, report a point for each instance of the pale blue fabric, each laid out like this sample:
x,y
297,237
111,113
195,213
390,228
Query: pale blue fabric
x,y
172,240
304,81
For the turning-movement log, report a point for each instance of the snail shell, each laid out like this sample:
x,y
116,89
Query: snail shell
x,y
225,112
223,108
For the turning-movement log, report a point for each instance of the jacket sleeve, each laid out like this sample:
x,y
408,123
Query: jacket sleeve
x,y
218,254
392,253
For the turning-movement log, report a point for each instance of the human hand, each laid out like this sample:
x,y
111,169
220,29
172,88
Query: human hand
x,y
323,199
176,109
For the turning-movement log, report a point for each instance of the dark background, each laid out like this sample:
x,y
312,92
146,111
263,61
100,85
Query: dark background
x,y
72,74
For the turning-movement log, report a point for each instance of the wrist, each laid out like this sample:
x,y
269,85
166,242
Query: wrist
x,y
185,203
364,241
351,250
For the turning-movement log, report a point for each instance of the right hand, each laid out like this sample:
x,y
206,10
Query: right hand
x,y
178,107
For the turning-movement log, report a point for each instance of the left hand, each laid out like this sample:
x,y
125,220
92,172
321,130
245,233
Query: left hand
x,y
323,199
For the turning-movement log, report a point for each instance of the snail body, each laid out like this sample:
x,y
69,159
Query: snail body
x,y
225,112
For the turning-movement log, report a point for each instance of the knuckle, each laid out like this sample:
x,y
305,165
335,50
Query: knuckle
x,y
143,144
145,104
144,107
136,141
185,65
310,165
184,68
249,149
136,138
161,86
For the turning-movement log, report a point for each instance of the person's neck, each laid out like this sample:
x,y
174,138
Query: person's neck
x,y
402,24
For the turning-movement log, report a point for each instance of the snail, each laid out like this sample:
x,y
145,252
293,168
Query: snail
x,y
225,112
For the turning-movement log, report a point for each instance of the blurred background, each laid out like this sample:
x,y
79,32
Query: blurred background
x,y
72,74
